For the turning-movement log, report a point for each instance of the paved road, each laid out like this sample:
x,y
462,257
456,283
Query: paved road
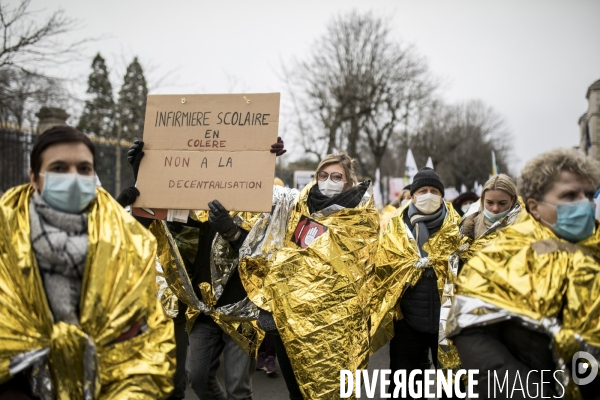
x,y
266,388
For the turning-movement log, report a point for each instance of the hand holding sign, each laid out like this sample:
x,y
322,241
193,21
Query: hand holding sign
x,y
277,148
134,156
220,220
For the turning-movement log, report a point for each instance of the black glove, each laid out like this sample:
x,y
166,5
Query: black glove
x,y
134,156
128,196
221,221
277,148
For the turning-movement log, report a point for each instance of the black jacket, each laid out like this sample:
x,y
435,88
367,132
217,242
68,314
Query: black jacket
x,y
507,347
199,270
420,304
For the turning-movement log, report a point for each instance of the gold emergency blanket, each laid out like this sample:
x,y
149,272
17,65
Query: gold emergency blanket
x,y
400,264
467,249
319,295
118,289
386,214
238,320
530,275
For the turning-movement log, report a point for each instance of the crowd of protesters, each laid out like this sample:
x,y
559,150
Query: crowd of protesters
x,y
99,303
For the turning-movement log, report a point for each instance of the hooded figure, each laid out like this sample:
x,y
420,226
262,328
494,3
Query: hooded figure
x,y
80,318
530,300
310,263
411,273
463,202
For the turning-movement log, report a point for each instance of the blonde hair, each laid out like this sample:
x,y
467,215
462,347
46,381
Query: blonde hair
x,y
499,182
403,193
345,161
540,173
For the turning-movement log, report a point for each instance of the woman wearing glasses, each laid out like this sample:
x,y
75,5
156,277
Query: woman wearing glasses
x,y
310,265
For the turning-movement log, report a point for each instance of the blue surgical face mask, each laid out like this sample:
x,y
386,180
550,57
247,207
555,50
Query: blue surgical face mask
x,y
490,216
575,221
70,193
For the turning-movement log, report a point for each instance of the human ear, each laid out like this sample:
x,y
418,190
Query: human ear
x,y
533,207
32,180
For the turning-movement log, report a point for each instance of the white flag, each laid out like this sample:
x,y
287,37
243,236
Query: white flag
x,y
396,186
429,163
377,191
410,169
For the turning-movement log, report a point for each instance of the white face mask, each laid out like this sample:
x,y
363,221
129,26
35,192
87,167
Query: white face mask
x,y
403,202
428,203
330,188
465,208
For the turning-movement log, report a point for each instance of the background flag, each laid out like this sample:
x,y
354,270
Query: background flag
x,y
429,163
495,170
377,191
410,169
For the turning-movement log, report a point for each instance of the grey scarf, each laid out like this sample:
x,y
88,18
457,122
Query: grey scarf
x,y
60,243
423,223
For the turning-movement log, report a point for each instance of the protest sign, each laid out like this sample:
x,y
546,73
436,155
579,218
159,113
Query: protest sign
x,y
204,147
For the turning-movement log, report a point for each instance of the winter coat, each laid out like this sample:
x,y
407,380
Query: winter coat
x,y
319,291
199,268
471,243
527,298
470,223
399,267
92,359
420,304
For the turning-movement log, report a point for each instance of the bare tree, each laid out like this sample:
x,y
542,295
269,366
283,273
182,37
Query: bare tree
x,y
28,44
23,93
28,50
357,89
460,139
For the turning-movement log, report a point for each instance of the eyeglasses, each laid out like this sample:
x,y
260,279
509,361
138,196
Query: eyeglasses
x,y
335,176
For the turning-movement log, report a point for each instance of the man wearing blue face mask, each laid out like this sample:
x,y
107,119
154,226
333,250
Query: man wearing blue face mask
x,y
80,317
531,299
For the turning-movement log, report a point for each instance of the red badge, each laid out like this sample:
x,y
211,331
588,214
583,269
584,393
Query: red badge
x,y
307,231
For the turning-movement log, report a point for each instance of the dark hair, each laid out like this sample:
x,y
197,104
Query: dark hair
x,y
57,135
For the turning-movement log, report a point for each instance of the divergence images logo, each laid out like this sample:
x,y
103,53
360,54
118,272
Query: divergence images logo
x,y
581,371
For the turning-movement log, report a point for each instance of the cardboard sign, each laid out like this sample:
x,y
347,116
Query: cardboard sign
x,y
307,231
199,148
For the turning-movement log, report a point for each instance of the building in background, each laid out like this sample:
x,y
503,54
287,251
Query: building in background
x,y
303,178
589,123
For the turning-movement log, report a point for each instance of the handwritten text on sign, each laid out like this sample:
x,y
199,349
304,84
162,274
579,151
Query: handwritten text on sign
x,y
204,147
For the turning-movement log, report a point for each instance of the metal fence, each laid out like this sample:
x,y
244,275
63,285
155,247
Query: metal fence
x,y
106,164
15,147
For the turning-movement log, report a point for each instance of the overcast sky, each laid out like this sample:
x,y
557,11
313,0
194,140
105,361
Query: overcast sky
x,y
531,60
